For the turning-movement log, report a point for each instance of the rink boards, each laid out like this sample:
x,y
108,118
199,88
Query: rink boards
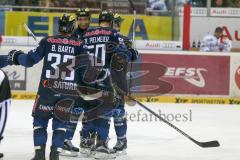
x,y
157,99
195,77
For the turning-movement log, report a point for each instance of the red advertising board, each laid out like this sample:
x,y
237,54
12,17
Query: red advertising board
x,y
193,74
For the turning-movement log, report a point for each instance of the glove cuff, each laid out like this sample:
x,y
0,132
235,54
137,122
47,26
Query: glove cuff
x,y
14,57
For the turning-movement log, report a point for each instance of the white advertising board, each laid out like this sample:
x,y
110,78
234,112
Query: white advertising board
x,y
18,41
140,44
198,12
225,12
21,78
159,45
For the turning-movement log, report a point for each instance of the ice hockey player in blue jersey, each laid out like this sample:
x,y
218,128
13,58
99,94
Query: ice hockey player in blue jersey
x,y
102,42
54,50
83,17
120,121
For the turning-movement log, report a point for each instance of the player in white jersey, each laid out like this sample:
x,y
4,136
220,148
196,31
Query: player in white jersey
x,y
216,42
158,5
5,95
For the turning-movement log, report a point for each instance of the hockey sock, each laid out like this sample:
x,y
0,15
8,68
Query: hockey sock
x,y
59,131
87,127
120,125
40,132
102,126
120,121
71,128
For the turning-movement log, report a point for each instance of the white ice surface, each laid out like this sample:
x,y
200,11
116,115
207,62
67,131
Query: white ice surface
x,y
146,140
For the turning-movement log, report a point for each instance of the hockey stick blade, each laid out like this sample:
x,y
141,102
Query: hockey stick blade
x,y
201,144
208,144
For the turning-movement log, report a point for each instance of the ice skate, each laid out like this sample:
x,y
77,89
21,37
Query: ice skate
x,y
1,156
121,147
102,152
39,153
54,154
69,149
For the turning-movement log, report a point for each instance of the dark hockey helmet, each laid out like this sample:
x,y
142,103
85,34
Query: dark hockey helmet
x,y
106,16
83,13
66,23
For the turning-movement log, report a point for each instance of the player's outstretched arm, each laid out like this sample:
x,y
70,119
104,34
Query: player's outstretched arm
x,y
27,60
3,61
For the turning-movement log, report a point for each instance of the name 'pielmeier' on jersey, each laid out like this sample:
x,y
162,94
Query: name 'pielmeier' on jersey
x,y
99,39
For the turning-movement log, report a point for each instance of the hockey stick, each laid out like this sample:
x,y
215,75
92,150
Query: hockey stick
x,y
201,144
134,22
30,32
133,39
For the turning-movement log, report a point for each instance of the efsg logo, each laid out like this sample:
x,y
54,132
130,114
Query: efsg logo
x,y
192,75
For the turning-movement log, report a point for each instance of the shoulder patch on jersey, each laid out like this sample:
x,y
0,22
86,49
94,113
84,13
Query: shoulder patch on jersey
x,y
98,32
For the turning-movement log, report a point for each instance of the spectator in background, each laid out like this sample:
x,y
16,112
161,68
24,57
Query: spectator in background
x,y
221,3
236,3
157,5
194,3
181,3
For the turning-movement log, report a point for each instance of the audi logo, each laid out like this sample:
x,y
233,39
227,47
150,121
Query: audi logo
x,y
9,40
168,45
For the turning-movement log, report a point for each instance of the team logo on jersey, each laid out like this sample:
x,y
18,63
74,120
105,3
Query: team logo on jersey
x,y
64,41
193,76
98,32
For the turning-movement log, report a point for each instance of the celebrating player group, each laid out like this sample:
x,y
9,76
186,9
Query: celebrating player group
x,y
84,77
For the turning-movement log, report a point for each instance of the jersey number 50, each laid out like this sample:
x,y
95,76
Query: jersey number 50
x,y
98,58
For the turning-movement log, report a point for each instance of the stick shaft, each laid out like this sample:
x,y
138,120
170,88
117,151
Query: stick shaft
x,y
30,32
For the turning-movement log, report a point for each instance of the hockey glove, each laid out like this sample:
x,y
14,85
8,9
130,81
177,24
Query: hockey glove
x,y
128,43
13,57
119,61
